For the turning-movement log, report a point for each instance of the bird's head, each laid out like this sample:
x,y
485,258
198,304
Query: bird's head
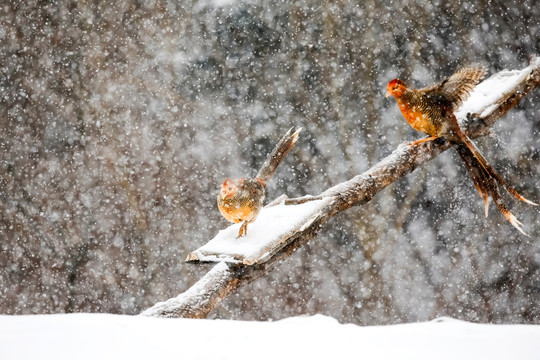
x,y
395,87
229,187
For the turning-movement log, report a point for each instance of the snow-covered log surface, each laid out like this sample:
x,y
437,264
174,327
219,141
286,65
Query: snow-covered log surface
x,y
267,235
105,336
199,299
487,95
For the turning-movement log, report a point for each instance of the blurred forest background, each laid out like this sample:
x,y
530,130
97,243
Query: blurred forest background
x,y
119,120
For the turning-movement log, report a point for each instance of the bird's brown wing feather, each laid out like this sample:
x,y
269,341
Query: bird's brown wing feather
x,y
456,88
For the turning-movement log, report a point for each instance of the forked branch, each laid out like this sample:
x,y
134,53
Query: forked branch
x,y
203,296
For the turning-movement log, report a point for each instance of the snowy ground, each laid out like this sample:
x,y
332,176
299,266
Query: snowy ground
x,y
104,336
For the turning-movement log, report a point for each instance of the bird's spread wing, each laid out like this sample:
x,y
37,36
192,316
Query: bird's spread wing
x,y
457,88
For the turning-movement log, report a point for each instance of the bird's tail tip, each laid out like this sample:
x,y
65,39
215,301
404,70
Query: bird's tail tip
x,y
517,195
277,155
511,218
294,135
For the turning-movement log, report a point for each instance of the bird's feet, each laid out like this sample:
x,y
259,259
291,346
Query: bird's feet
x,y
243,230
418,142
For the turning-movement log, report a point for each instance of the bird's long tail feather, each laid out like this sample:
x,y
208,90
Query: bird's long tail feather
x,y
277,155
487,181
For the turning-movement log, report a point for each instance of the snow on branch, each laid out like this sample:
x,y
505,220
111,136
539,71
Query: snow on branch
x,y
490,100
272,230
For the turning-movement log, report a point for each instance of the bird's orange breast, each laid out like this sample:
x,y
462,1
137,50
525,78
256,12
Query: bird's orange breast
x,y
419,120
237,214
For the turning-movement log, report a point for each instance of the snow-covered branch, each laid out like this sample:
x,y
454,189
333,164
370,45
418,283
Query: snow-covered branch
x,y
490,100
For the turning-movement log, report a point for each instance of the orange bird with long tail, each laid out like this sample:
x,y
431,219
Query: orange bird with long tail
x,y
431,111
241,200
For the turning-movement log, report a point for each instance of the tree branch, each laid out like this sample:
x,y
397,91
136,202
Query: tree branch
x,y
202,297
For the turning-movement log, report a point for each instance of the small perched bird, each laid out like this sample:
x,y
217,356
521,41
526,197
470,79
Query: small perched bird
x,y
431,111
241,200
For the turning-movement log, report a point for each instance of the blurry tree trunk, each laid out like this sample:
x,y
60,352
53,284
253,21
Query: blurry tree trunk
x,y
204,295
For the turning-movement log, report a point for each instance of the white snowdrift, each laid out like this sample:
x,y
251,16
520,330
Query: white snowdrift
x,y
104,336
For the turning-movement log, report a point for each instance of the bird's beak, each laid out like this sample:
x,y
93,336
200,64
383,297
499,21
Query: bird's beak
x,y
388,93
